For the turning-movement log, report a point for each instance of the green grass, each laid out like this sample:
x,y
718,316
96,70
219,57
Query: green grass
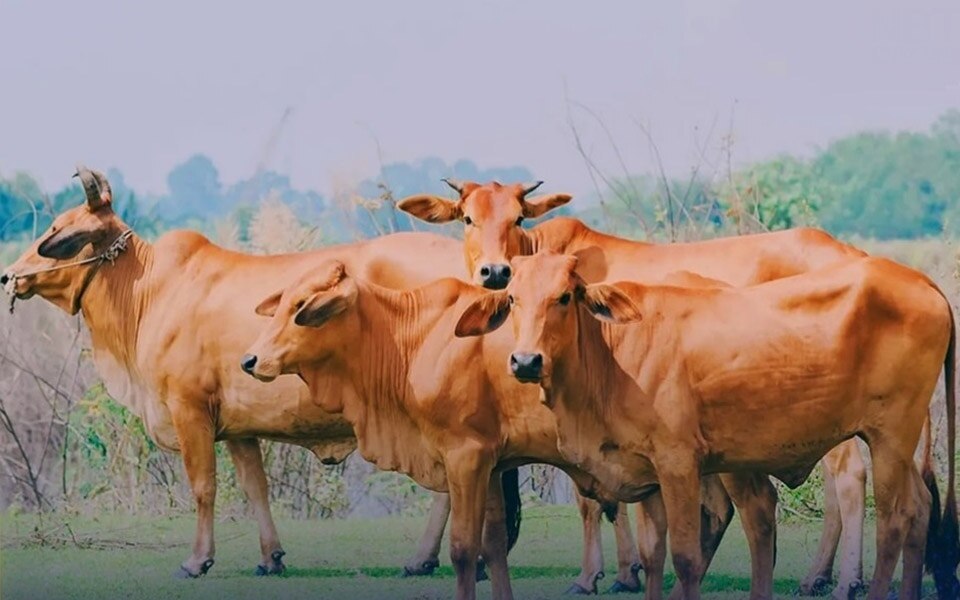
x,y
135,557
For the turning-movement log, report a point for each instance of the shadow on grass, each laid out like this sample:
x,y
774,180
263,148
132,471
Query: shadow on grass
x,y
712,583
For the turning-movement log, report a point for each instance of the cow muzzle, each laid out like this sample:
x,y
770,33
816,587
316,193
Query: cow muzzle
x,y
247,363
527,367
15,286
495,277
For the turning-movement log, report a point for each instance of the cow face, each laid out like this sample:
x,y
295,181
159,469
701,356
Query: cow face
x,y
306,324
75,234
542,298
492,215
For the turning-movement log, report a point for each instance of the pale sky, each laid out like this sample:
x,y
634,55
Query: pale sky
x,y
141,86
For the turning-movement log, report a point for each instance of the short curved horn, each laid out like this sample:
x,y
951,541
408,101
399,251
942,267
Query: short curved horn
x,y
529,187
456,184
95,186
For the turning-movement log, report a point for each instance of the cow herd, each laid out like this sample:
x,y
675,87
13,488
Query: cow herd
x,y
676,377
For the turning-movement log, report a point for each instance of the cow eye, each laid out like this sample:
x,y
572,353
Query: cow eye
x,y
519,220
564,299
468,220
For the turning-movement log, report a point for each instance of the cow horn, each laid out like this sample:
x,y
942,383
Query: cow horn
x,y
529,187
454,183
95,186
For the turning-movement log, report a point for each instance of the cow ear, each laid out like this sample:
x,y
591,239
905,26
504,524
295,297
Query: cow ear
x,y
67,243
610,303
540,205
327,304
432,209
486,314
268,307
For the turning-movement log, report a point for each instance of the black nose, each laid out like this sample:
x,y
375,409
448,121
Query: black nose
x,y
526,366
495,277
4,279
248,362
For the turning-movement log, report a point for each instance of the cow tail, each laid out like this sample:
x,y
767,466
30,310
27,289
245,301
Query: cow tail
x,y
510,479
943,537
930,481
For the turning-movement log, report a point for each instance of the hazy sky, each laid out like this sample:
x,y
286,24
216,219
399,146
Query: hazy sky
x,y
141,86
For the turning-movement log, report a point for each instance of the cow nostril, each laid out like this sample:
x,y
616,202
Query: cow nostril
x,y
4,279
536,361
505,272
484,271
513,360
248,362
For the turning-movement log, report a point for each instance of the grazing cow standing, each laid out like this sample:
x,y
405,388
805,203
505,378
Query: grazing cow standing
x,y
676,386
168,323
493,214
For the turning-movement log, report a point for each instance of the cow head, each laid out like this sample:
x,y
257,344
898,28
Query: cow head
x,y
308,321
492,214
543,299
78,233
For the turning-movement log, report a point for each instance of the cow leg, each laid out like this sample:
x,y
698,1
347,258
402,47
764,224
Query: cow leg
x,y
915,544
195,434
468,477
756,499
892,487
845,463
652,543
495,540
591,565
820,575
628,559
427,558
680,486
248,460
716,513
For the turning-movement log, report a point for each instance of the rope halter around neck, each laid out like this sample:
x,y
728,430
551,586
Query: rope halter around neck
x,y
117,247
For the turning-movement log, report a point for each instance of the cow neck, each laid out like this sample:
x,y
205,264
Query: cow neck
x,y
115,300
394,325
582,377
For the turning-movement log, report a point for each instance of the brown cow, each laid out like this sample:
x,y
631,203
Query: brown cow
x,y
169,321
677,387
421,402
492,215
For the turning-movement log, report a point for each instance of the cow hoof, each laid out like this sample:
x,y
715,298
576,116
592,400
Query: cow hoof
x,y
848,592
819,587
578,590
427,567
185,573
276,566
620,587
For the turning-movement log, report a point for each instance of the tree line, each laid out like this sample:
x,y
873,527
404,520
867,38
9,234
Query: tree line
x,y
880,185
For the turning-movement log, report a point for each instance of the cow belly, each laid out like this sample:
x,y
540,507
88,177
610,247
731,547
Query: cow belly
x,y
788,421
281,411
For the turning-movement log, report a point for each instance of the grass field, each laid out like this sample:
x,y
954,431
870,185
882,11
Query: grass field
x,y
127,557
